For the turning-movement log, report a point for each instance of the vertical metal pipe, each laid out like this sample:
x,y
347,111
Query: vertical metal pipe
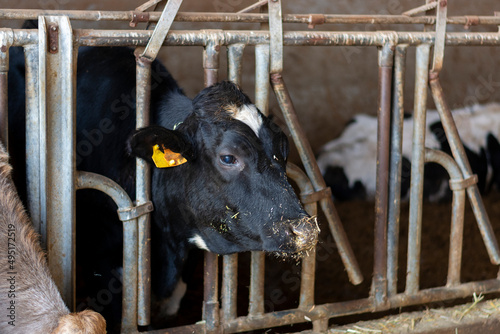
x,y
314,174
458,152
393,213
143,191
60,158
230,262
35,138
257,275
385,64
417,170
262,78
211,267
6,39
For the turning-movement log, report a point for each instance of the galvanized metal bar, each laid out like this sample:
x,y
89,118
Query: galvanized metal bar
x,y
161,29
385,65
441,12
230,262
276,35
457,213
35,137
417,169
94,37
458,152
211,309
262,78
314,174
395,169
6,40
143,191
60,157
87,180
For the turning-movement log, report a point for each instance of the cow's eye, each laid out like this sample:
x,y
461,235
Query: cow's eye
x,y
228,159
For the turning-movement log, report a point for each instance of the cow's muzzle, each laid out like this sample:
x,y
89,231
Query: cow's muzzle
x,y
305,233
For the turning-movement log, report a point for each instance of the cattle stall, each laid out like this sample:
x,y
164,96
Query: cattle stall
x,y
51,171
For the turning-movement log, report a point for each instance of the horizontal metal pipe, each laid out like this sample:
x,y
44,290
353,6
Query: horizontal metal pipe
x,y
96,37
31,14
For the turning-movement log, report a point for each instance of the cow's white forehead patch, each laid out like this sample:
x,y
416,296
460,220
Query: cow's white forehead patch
x,y
199,242
247,114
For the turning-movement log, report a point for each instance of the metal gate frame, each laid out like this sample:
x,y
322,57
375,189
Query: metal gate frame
x,y
51,107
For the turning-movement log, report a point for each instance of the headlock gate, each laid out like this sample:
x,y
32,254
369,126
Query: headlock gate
x,y
53,178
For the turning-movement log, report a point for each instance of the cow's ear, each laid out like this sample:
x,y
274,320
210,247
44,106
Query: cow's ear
x,y
160,146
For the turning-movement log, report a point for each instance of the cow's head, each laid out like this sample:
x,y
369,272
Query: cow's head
x,y
227,179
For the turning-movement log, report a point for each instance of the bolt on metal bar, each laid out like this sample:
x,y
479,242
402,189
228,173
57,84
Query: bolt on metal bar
x,y
457,213
35,139
395,169
143,190
230,262
458,152
385,66
6,40
87,180
417,170
60,155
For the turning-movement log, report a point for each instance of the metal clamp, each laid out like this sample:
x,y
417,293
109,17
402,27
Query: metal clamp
x,y
315,19
135,211
316,196
138,17
459,184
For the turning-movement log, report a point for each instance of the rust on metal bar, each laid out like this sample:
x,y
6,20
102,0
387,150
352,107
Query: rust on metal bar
x,y
256,5
439,43
421,9
315,196
6,40
457,217
379,283
396,159
138,17
315,19
257,275
53,30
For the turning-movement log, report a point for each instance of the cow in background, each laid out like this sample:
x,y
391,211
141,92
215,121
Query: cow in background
x,y
30,300
348,163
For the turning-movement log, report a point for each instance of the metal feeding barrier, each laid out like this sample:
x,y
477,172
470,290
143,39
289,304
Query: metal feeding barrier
x,y
50,144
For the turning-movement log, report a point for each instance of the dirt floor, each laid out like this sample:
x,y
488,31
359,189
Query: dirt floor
x,y
332,285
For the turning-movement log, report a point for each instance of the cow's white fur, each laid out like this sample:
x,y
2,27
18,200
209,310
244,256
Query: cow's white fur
x,y
199,242
249,115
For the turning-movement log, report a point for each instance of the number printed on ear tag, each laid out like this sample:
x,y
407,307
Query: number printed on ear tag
x,y
166,158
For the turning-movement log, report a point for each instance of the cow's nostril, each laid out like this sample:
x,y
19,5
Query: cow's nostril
x,y
306,232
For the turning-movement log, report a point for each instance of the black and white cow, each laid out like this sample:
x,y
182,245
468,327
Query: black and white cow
x,y
348,163
228,194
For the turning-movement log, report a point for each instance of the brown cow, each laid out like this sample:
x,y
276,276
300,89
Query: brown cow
x,y
29,299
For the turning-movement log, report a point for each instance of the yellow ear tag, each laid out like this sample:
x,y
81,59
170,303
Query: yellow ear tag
x,y
167,158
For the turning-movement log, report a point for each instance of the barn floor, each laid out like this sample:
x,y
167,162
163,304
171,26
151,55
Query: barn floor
x,y
332,285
